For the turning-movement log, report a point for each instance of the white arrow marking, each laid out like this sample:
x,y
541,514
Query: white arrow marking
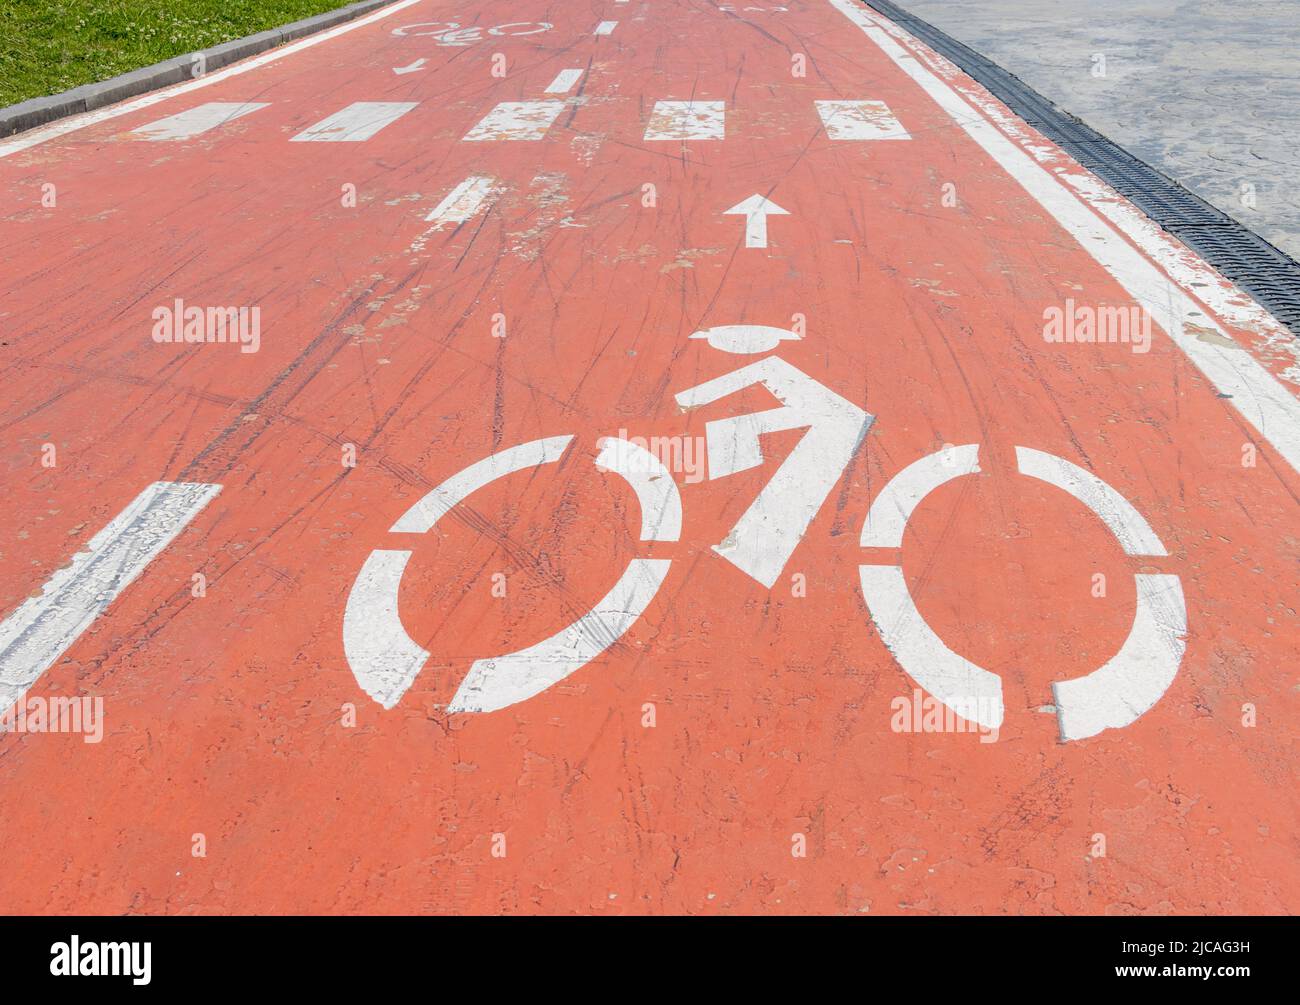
x,y
410,67
756,210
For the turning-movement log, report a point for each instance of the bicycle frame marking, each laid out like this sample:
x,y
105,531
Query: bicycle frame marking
x,y
767,534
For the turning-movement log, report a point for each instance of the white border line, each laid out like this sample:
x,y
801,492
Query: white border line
x,y
1251,389
43,134
35,635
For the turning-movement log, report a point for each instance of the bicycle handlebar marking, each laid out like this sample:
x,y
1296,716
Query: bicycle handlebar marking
x,y
766,535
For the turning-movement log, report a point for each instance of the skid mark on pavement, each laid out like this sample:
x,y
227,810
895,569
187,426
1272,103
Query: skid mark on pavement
x,y
197,120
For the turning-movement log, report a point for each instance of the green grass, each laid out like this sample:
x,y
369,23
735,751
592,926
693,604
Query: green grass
x,y
47,46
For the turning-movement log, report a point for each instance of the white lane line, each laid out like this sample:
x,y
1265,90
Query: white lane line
x,y
463,201
34,636
196,120
1235,373
516,120
564,81
687,120
358,121
606,28
860,120
75,122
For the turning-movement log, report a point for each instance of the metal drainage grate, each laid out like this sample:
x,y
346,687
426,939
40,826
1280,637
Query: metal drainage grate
x,y
1271,276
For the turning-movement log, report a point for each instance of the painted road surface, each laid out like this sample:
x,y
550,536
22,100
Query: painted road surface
x,y
658,459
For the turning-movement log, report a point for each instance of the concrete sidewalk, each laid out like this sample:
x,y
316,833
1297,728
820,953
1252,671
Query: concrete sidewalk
x,y
1207,91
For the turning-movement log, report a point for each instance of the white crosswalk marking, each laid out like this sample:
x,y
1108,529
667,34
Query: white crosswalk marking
x,y
196,120
564,81
687,120
517,120
860,120
463,201
35,635
357,122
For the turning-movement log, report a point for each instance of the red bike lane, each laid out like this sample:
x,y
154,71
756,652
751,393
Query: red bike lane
x,y
740,748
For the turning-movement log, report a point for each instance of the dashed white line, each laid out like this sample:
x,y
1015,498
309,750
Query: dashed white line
x,y
359,121
516,120
463,201
564,81
75,122
34,636
687,120
196,120
860,120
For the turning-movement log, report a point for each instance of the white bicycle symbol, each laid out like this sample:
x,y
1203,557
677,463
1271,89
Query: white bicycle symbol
x,y
451,33
385,660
